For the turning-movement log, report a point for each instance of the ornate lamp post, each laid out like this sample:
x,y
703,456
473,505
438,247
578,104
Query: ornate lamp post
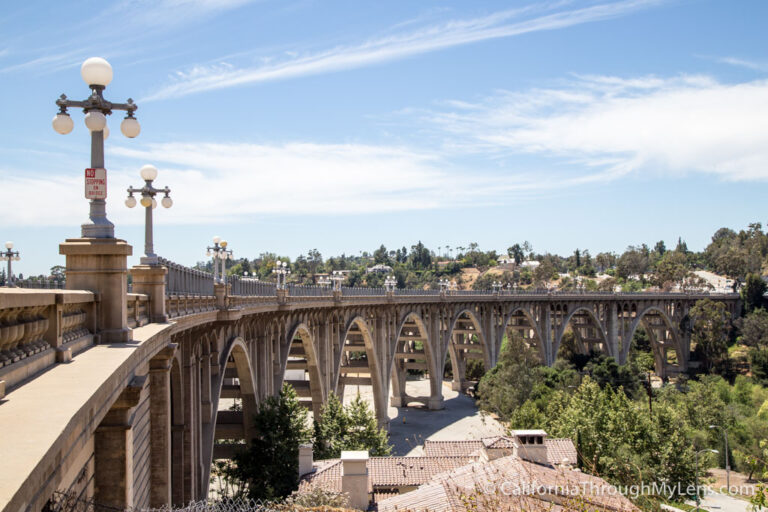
x,y
727,462
220,254
9,255
324,281
696,475
97,73
444,284
281,270
496,287
337,277
148,193
390,283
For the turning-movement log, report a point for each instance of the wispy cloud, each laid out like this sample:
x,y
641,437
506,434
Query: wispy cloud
x,y
676,126
742,63
509,23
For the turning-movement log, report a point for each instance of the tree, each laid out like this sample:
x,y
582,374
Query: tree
x,y
754,329
670,270
58,272
710,331
752,293
509,384
634,262
516,252
380,255
353,427
268,468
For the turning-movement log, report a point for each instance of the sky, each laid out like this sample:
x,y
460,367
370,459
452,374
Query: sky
x,y
288,125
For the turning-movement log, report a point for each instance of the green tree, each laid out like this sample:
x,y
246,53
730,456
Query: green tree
x,y
710,331
510,383
353,427
754,329
516,252
268,467
752,293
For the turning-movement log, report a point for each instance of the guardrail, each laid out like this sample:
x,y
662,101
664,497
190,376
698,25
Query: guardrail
x,y
40,327
42,284
183,280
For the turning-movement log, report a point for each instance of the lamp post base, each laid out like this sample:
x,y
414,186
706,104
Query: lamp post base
x,y
98,225
101,266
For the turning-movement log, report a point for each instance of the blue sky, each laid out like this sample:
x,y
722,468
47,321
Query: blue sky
x,y
289,125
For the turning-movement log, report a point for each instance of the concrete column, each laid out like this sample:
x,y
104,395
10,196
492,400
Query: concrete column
x,y
612,333
150,280
437,360
545,328
222,292
160,427
101,266
113,450
354,478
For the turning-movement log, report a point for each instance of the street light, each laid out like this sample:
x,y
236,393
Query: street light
x,y
496,286
220,254
696,475
444,284
9,255
337,277
390,283
97,74
148,192
727,462
281,269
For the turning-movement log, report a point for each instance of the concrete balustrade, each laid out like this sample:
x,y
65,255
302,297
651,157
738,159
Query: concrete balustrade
x,y
39,328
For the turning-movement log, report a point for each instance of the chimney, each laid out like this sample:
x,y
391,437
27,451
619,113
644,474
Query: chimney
x,y
531,445
354,478
305,459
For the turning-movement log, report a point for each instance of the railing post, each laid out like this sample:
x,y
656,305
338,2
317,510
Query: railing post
x,y
150,280
101,266
221,291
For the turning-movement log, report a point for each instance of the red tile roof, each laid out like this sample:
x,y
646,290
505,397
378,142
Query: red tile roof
x,y
558,450
384,472
509,483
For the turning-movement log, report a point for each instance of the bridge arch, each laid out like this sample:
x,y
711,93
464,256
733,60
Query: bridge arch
x,y
411,351
531,327
302,357
358,357
462,347
235,380
594,324
663,336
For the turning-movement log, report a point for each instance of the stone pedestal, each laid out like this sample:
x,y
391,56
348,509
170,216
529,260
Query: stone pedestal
x,y
354,478
101,266
436,403
150,280
222,291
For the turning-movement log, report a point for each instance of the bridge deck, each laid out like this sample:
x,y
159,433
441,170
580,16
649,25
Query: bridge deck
x,y
60,401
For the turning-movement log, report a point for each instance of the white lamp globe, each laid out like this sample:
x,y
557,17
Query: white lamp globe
x,y
216,239
130,127
223,243
16,258
167,202
95,121
9,245
130,202
96,71
154,203
148,172
63,124
106,132
146,201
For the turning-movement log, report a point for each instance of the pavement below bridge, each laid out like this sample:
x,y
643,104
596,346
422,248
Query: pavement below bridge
x,y
410,426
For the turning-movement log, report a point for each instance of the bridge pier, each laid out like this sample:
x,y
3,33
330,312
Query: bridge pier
x,y
160,427
113,450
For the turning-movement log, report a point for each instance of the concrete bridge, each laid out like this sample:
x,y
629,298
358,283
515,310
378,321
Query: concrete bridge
x,y
117,397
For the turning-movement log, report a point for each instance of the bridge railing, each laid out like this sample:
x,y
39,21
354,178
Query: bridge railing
x,y
296,290
40,327
41,284
415,291
358,291
250,286
183,280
